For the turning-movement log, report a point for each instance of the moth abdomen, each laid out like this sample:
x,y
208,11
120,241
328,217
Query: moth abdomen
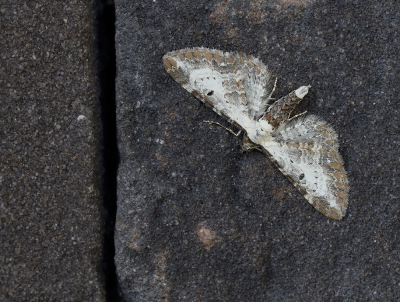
x,y
280,110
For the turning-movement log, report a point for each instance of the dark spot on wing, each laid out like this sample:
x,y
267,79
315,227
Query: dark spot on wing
x,y
301,176
210,93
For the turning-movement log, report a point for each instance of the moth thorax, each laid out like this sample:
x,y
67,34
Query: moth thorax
x,y
261,132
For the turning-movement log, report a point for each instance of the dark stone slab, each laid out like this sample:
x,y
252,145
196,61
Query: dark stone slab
x,y
199,221
50,205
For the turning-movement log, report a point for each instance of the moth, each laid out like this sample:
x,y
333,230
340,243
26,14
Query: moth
x,y
239,87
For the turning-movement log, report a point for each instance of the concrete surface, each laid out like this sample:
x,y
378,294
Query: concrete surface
x,y
50,205
199,221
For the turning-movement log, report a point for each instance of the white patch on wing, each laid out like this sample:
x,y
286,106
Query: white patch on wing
x,y
208,80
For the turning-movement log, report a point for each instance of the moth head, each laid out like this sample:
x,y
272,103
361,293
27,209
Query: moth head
x,y
302,91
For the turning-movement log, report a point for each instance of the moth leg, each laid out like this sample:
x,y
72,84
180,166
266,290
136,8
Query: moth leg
x,y
247,145
227,129
273,90
297,115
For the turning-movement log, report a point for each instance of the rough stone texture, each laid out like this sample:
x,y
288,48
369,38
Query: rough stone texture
x,y
199,221
50,219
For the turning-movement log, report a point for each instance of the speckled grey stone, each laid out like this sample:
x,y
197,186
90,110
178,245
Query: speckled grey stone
x,y
50,218
199,221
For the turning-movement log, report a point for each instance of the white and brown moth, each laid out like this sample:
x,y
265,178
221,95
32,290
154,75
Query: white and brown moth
x,y
239,87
